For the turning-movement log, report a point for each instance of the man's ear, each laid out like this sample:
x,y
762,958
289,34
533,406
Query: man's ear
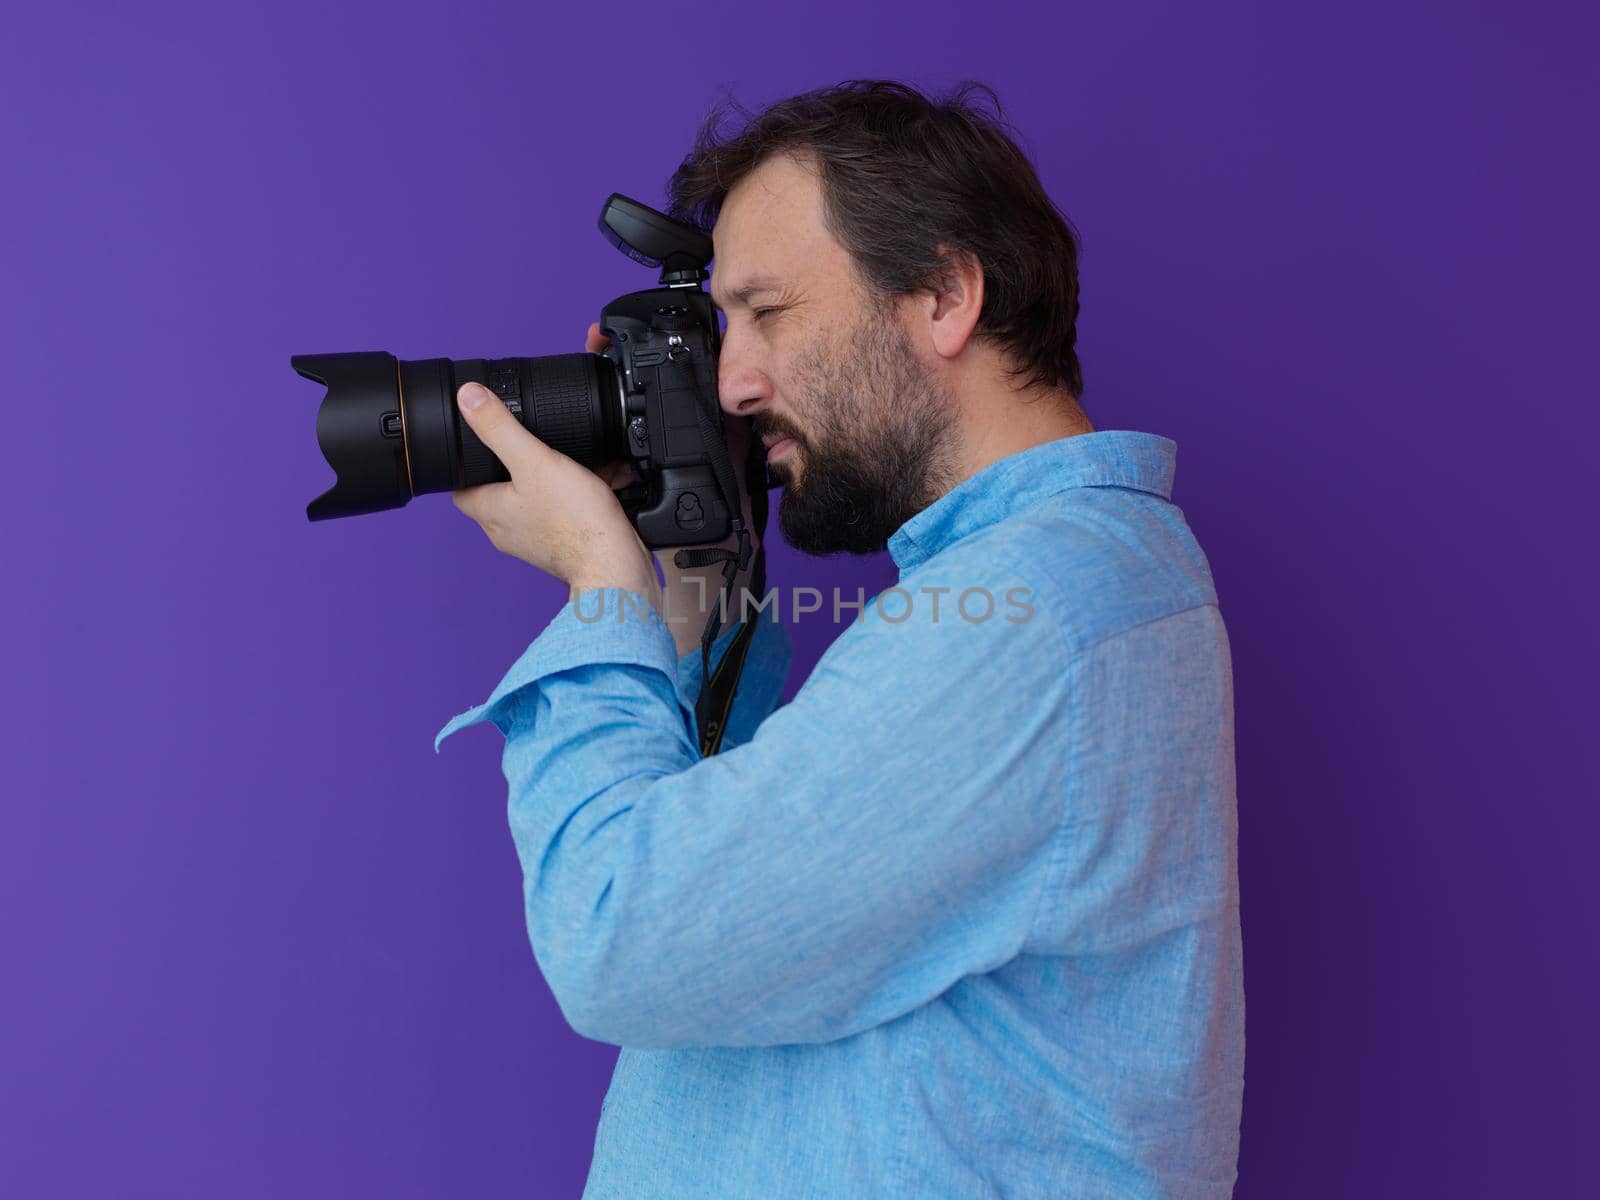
x,y
951,309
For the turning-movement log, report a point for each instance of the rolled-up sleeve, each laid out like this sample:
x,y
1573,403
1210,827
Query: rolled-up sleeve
x,y
870,843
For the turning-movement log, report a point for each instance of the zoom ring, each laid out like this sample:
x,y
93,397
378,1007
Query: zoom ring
x,y
556,397
566,405
478,463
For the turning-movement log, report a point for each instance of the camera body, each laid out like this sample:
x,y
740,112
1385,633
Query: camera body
x,y
664,343
391,430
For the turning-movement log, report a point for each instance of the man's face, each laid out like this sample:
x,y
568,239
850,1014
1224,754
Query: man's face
x,y
858,427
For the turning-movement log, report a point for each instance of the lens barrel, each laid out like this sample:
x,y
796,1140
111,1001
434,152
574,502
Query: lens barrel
x,y
390,428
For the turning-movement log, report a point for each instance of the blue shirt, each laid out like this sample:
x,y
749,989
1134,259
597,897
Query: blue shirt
x,y
962,918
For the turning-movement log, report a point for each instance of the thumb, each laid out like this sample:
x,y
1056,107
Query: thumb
x,y
498,428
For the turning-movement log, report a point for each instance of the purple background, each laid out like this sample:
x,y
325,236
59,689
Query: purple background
x,y
259,941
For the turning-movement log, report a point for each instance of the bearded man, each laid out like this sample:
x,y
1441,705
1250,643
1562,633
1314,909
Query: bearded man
x,y
961,918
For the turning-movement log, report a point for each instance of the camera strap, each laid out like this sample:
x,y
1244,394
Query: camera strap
x,y
715,702
718,691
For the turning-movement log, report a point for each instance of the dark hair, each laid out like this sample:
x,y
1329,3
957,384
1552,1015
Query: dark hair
x,y
903,175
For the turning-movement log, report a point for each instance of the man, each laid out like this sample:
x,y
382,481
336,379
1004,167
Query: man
x,y
961,919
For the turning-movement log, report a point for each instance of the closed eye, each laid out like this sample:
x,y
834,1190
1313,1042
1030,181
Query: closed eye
x,y
761,312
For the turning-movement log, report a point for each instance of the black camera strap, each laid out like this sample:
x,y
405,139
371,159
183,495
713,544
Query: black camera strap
x,y
715,701
718,692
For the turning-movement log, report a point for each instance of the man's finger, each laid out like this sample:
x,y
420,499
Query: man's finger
x,y
482,500
497,429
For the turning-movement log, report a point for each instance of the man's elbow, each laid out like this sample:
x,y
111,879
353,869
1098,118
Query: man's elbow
x,y
605,996
617,1014
663,1012
642,1005
641,987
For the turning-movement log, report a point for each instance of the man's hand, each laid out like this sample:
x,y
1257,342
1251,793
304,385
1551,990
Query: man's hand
x,y
690,595
554,513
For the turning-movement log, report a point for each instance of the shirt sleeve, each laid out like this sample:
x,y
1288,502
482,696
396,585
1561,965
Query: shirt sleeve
x,y
872,842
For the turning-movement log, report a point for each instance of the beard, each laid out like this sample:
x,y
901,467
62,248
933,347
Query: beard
x,y
882,451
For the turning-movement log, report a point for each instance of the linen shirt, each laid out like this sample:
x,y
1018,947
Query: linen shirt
x,y
960,919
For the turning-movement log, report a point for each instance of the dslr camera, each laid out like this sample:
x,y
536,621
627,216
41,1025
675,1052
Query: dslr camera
x,y
390,428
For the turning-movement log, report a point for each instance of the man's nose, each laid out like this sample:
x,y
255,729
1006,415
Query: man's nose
x,y
742,387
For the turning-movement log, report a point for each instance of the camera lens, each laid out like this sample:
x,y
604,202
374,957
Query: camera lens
x,y
390,428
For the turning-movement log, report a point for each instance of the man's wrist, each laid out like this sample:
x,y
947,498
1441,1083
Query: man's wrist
x,y
690,596
648,589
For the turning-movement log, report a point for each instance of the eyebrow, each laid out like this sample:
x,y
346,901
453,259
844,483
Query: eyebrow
x,y
759,283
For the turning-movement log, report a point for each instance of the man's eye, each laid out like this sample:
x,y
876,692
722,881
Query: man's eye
x,y
761,312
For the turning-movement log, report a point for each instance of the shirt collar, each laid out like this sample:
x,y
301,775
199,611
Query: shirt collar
x,y
1106,458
